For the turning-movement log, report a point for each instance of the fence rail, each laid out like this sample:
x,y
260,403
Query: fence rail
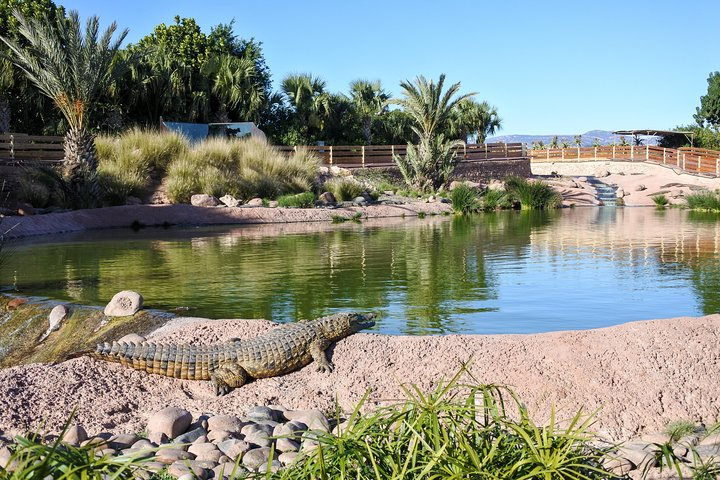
x,y
20,147
694,160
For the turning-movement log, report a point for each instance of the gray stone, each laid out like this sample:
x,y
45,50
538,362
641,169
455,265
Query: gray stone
x,y
124,303
233,448
171,455
75,435
619,466
256,457
180,468
230,201
122,441
202,439
359,200
227,423
190,436
200,448
273,204
291,429
229,470
158,438
275,465
255,202
314,419
171,421
286,458
286,445
204,200
5,460
619,193
210,457
713,439
57,315
261,439
602,173
260,413
217,436
254,428
139,453
640,188
142,444
326,198
132,338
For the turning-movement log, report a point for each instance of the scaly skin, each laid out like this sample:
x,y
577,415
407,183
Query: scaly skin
x,y
229,365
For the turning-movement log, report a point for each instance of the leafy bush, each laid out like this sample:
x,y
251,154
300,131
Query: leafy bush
x,y
42,187
494,200
456,431
344,189
301,200
464,199
661,201
428,165
536,195
706,201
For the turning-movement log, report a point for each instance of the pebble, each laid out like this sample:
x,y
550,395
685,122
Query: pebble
x,y
256,457
178,469
190,436
75,435
171,421
170,455
226,423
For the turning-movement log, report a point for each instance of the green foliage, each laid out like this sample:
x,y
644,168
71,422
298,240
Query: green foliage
x,y
470,118
427,166
709,109
344,189
242,168
679,429
370,101
703,137
660,200
535,195
341,219
495,200
704,200
300,200
456,431
309,102
465,199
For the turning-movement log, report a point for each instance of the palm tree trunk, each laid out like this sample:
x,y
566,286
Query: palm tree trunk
x,y
5,113
80,166
367,129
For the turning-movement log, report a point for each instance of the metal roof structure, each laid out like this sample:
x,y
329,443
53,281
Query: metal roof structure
x,y
657,133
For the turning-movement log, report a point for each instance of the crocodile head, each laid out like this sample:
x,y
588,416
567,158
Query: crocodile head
x,y
341,325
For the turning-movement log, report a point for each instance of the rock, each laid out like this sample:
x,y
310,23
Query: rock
x,y
132,338
133,201
360,200
274,467
227,423
254,428
230,201
713,439
75,435
122,441
157,438
286,445
619,466
233,448
142,444
171,421
200,448
293,429
123,304
202,439
314,419
26,210
172,455
327,198
190,436
273,204
258,438
15,303
602,173
640,188
260,413
180,468
286,458
57,315
676,193
212,456
256,457
341,172
454,184
204,200
638,453
217,436
255,202
620,193
582,179
323,170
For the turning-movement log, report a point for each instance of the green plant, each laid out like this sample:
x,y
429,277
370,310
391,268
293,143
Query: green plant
x,y
679,429
535,195
354,218
427,166
421,215
344,189
44,186
300,200
660,200
464,199
706,201
456,431
494,199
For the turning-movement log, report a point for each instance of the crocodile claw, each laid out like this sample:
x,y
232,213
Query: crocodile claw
x,y
221,388
325,367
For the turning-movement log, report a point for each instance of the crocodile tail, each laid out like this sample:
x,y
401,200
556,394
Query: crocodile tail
x,y
188,362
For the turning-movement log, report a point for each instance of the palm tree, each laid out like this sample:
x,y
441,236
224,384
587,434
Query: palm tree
x,y
370,100
429,165
6,83
73,69
472,118
237,86
308,99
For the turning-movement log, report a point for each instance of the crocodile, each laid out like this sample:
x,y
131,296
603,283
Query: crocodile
x,y
231,364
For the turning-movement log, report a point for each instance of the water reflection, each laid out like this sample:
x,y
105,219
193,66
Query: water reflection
x,y
506,272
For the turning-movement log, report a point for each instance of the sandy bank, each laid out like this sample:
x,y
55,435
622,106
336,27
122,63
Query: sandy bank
x,y
642,374
183,214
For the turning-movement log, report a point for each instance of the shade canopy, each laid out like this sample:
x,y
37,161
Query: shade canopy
x,y
656,133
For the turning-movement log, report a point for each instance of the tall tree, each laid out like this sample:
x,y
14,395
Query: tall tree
x,y
471,118
72,68
309,101
709,109
237,87
370,101
428,165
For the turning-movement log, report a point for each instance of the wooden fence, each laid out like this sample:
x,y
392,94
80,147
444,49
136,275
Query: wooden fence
x,y
382,155
694,160
19,147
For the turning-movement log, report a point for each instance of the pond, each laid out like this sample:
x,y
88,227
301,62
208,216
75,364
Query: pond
x,y
507,272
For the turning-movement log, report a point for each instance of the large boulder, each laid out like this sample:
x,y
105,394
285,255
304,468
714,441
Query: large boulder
x,y
230,201
171,421
255,202
124,303
204,200
57,316
327,198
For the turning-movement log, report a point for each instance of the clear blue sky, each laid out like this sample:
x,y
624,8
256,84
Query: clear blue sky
x,y
548,66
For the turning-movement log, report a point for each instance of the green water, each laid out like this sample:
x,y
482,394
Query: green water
x,y
510,272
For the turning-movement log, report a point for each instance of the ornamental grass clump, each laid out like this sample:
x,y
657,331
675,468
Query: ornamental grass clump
x,y
456,431
535,195
300,200
660,200
465,200
344,189
706,201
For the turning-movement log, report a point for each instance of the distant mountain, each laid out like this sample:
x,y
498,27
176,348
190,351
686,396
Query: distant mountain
x,y
588,138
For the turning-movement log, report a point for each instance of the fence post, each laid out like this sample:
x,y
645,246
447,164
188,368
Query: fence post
x,y
717,167
595,152
683,162
613,152
331,159
363,156
12,147
547,151
632,152
562,153
699,162
664,156
392,151
647,152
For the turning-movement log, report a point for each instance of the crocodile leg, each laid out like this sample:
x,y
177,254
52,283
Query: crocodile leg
x,y
317,350
228,376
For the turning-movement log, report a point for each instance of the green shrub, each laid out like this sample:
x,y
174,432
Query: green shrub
x,y
42,187
464,199
660,200
494,200
301,200
536,195
344,189
456,431
706,201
